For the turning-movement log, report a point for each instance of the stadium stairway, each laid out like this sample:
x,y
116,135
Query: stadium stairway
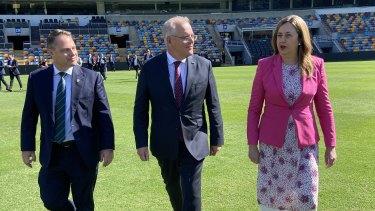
x,y
123,52
133,35
18,55
219,42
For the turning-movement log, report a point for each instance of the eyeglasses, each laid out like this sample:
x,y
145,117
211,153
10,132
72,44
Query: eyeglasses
x,y
187,38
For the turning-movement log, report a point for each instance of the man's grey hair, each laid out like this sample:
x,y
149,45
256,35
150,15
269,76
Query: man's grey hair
x,y
55,33
169,27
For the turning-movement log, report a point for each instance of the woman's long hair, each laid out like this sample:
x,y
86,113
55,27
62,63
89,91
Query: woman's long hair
x,y
304,47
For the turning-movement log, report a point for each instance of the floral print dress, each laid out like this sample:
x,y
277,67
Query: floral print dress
x,y
288,176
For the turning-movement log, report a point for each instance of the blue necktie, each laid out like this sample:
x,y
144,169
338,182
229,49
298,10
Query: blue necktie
x,y
60,110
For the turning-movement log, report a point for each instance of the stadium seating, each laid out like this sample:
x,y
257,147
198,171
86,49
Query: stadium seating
x,y
151,37
356,31
260,48
92,38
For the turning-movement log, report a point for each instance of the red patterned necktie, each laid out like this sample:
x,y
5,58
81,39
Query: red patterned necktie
x,y
178,89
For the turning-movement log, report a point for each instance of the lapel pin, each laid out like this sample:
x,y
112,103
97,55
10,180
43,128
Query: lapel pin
x,y
78,80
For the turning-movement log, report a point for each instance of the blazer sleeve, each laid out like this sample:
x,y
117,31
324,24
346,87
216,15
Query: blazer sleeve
x,y
214,111
29,121
141,112
103,116
323,106
255,106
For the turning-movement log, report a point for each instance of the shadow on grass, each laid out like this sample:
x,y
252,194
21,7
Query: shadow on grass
x,y
127,80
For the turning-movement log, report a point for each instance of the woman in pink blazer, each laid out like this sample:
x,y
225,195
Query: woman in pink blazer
x,y
289,83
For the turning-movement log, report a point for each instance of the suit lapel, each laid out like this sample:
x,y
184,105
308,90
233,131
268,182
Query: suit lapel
x,y
190,69
78,81
165,76
48,86
278,74
304,87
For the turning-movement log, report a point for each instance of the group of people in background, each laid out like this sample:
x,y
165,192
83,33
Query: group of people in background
x,y
99,63
12,65
135,63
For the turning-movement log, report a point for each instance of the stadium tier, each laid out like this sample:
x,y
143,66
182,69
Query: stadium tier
x,y
151,37
356,31
248,33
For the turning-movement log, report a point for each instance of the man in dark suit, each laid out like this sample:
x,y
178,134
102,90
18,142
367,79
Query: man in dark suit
x,y
136,64
129,61
147,56
111,62
177,83
14,72
103,66
76,127
90,62
2,79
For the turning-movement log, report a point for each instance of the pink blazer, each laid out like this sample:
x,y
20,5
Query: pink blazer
x,y
267,87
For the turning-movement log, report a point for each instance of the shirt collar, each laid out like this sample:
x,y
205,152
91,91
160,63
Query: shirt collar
x,y
171,59
56,71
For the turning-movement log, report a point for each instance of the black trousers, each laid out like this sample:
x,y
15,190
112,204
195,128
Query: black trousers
x,y
12,80
182,178
67,171
103,72
112,66
136,68
2,80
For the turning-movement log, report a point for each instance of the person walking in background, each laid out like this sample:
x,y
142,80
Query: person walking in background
x,y
111,62
176,84
147,56
42,62
129,61
90,62
103,66
2,79
136,65
76,127
95,66
288,83
14,72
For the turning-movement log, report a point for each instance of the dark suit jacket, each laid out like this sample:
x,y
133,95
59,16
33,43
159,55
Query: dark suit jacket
x,y
154,87
14,68
2,71
103,65
91,119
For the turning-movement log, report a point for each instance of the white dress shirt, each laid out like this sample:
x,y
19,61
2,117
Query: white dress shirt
x,y
171,69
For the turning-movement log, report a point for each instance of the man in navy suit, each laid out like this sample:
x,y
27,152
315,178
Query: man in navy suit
x,y
2,79
147,56
14,72
177,83
76,127
103,66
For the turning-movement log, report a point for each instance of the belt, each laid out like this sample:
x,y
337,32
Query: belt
x,y
65,144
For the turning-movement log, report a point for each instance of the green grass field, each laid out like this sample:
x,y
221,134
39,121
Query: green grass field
x,y
229,179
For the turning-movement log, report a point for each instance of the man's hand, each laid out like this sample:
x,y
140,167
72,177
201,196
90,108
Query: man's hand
x,y
253,153
106,156
214,150
330,156
28,157
143,153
